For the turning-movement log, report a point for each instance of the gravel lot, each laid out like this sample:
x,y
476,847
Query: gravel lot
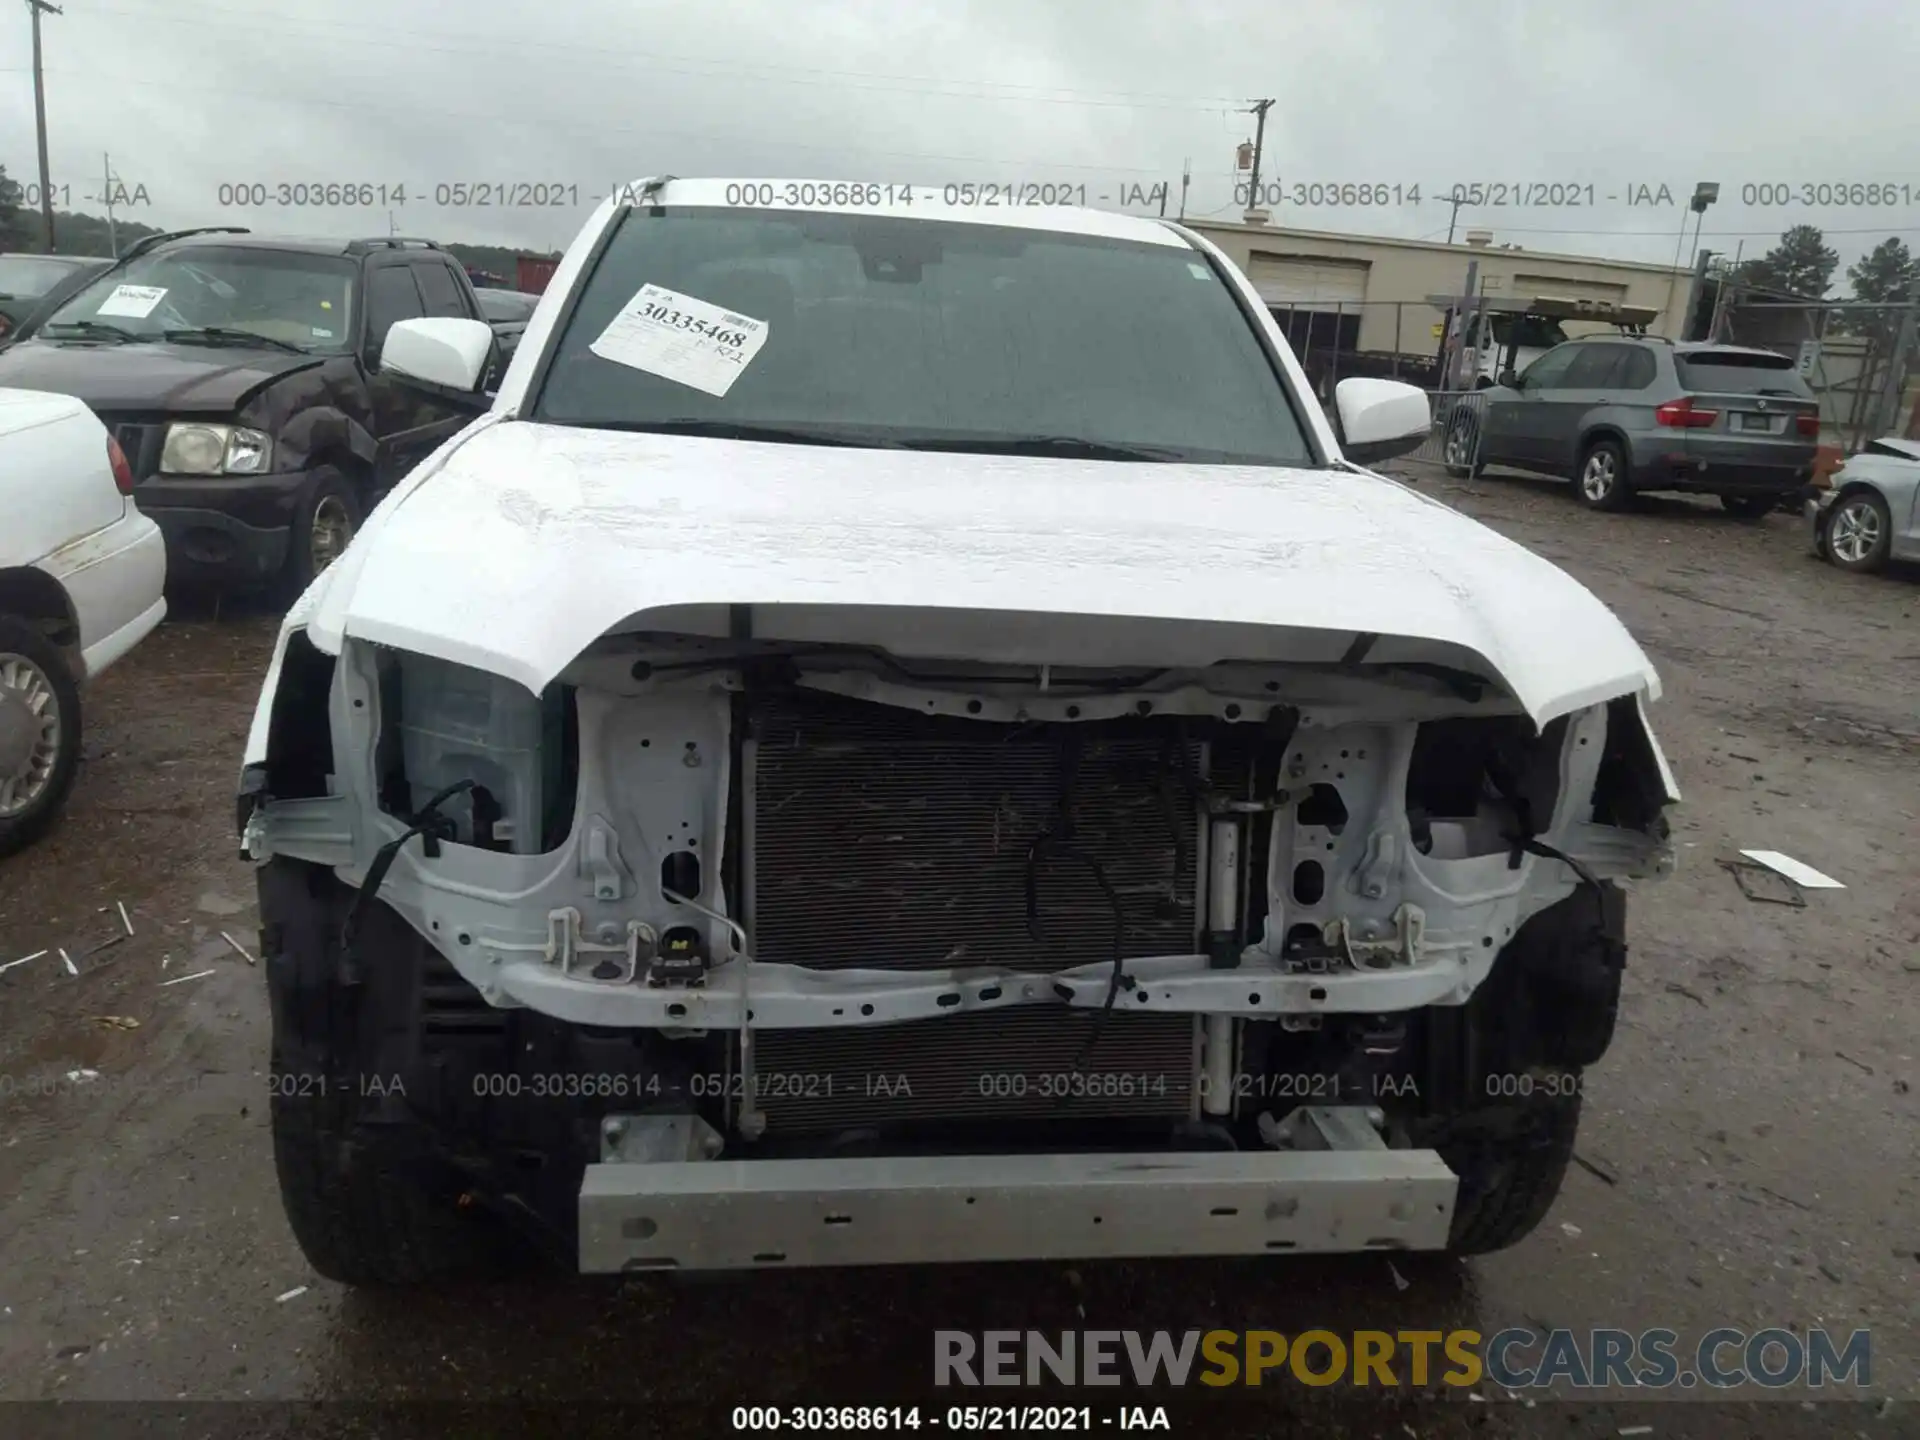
x,y
1754,1124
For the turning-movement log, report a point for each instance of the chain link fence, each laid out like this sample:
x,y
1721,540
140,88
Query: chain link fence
x,y
1454,438
1858,358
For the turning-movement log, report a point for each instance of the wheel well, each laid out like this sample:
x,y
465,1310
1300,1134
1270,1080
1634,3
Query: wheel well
x,y
358,473
1854,487
1600,432
37,597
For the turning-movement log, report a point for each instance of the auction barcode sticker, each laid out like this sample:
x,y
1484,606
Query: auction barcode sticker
x,y
681,338
135,302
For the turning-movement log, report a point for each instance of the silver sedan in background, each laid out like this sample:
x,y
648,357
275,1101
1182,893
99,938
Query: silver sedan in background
x,y
1872,511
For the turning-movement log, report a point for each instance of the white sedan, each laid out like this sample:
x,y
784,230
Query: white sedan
x,y
81,579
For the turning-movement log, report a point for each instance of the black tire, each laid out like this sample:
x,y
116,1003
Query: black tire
x,y
1865,528
1506,1190
1463,439
1750,507
32,664
1603,478
333,500
368,1194
1546,1011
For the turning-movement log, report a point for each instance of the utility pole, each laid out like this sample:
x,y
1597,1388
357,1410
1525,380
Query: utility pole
x,y
1259,110
1702,261
40,117
106,194
1186,179
1456,200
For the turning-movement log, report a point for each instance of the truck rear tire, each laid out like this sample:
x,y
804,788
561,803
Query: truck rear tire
x,y
368,1199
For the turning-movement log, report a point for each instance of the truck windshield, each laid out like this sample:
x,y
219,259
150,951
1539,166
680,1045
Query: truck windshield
x,y
1528,332
922,333
286,297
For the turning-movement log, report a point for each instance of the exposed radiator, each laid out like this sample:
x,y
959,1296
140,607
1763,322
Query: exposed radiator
x,y
887,840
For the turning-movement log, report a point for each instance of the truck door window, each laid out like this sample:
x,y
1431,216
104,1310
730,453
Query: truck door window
x,y
391,296
441,290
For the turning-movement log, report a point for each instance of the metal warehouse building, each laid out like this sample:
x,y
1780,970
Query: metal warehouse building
x,y
1368,293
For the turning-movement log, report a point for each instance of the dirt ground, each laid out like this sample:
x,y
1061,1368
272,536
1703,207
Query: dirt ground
x,y
1750,1139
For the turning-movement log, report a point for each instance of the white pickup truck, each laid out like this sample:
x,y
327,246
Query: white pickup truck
x,y
82,573
903,733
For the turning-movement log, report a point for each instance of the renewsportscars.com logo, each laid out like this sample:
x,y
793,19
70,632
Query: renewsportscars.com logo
x,y
1517,1358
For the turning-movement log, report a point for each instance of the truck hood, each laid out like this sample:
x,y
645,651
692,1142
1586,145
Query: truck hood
x,y
520,544
179,379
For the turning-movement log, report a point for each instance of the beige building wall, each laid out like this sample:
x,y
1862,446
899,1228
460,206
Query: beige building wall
x,y
1408,271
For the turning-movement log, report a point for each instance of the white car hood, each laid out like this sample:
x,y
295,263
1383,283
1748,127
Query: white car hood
x,y
521,544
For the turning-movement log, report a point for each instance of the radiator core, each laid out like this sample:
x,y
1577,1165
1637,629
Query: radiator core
x,y
883,839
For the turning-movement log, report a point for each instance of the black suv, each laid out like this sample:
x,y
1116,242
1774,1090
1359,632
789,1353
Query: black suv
x,y
240,374
1625,414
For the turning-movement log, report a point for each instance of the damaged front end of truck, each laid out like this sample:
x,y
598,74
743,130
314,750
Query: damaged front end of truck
x,y
760,934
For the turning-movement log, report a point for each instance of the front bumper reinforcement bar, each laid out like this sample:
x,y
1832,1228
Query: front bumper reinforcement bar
x,y
695,1214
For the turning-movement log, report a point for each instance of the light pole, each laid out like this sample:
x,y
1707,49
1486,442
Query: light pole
x,y
1704,194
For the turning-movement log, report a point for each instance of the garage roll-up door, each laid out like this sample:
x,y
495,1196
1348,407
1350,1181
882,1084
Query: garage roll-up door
x,y
1308,282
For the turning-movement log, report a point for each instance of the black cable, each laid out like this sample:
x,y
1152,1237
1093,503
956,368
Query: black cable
x,y
1057,842
1524,840
427,823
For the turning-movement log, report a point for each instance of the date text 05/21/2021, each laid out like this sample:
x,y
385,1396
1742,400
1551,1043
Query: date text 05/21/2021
x,y
325,194
1274,192
960,1419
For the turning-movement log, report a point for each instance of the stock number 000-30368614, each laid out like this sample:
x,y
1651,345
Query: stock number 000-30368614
x,y
962,1419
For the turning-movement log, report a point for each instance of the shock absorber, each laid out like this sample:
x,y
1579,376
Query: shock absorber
x,y
1223,953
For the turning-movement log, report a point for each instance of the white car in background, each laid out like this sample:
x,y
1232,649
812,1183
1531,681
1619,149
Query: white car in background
x,y
81,576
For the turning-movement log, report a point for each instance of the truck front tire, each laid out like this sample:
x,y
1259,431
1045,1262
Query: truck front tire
x,y
370,1202
1519,1050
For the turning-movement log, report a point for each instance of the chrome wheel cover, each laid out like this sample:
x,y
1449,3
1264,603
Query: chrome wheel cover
x,y
1599,476
331,532
29,734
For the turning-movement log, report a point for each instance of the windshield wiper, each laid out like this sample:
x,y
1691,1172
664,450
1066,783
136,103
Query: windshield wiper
x,y
92,329
745,430
221,335
1068,446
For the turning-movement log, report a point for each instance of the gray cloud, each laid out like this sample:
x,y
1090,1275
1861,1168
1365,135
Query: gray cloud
x,y
192,94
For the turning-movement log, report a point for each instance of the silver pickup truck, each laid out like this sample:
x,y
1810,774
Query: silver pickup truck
x,y
902,733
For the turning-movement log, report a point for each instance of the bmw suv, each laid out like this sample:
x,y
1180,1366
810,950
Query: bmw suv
x,y
1626,414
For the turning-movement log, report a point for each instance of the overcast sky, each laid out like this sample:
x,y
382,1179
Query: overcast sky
x,y
188,95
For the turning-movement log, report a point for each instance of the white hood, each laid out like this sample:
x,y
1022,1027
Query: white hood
x,y
524,543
